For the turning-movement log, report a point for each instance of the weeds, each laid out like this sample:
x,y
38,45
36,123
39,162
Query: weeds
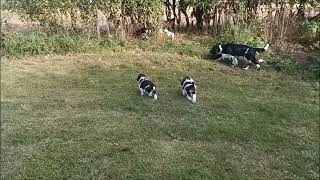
x,y
286,65
37,43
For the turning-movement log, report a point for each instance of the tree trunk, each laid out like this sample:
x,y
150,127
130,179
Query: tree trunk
x,y
107,26
301,10
179,18
97,23
174,13
168,9
73,20
222,21
215,20
184,11
199,16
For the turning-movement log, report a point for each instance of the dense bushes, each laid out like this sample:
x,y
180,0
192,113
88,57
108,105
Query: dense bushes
x,y
35,43
288,66
86,15
230,16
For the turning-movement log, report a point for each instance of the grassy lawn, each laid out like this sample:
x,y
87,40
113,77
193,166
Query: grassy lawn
x,y
81,116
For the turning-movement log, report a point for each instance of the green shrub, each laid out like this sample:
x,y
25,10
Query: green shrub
x,y
14,43
64,44
286,65
242,39
36,43
309,33
169,46
315,66
283,64
316,46
311,27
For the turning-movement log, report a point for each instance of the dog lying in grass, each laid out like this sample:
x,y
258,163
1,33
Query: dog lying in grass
x,y
231,50
189,89
146,86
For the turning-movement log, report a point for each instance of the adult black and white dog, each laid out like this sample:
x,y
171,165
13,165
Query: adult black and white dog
x,y
146,86
189,89
232,50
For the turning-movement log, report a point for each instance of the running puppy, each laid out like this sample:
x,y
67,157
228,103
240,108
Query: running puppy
x,y
231,50
189,89
146,86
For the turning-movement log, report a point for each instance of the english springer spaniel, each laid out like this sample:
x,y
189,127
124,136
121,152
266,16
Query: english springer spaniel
x,y
189,89
231,50
146,86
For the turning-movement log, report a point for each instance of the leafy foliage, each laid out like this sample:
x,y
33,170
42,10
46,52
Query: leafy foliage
x,y
35,43
49,13
286,65
84,14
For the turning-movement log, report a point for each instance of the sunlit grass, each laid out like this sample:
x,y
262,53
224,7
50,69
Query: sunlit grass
x,y
82,116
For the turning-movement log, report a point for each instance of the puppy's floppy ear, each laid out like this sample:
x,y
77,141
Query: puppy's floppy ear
x,y
140,76
183,80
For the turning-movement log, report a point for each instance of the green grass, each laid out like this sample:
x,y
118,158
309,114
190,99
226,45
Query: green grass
x,y
81,116
6,14
20,44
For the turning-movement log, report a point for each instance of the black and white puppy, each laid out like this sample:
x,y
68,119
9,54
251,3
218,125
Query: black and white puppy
x,y
189,89
231,50
146,86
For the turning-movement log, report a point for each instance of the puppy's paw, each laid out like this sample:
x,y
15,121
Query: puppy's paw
x,y
258,66
246,68
194,98
141,92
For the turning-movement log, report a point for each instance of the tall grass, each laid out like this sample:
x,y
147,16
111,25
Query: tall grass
x,y
286,65
36,43
15,44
